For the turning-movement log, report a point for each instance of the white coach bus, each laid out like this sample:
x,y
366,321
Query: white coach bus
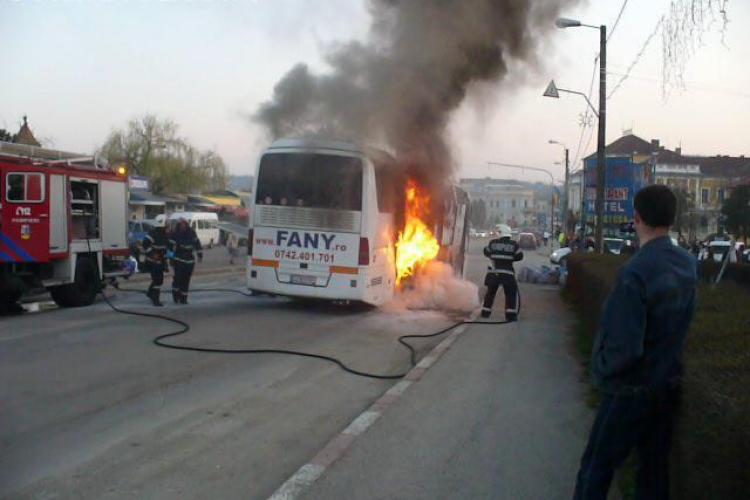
x,y
324,222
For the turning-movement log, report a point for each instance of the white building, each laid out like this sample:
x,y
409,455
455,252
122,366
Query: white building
x,y
509,202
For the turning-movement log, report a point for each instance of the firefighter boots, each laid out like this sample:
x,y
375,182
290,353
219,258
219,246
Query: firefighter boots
x,y
153,294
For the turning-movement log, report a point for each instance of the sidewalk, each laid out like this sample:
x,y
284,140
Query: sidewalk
x,y
500,415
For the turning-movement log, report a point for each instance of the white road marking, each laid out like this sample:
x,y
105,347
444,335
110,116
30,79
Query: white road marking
x,y
362,423
399,388
292,487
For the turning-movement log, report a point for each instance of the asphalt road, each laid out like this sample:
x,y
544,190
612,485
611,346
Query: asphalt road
x,y
500,416
91,409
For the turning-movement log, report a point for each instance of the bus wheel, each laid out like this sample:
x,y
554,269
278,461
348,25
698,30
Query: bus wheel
x,y
84,288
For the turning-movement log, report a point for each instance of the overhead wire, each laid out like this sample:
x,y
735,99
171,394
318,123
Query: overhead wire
x,y
617,21
637,57
587,111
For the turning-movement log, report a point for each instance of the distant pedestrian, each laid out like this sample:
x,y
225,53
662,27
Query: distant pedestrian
x,y
184,244
233,246
545,237
562,239
637,356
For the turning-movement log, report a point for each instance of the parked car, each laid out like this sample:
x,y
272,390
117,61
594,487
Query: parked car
x,y
527,241
560,256
613,245
137,230
717,249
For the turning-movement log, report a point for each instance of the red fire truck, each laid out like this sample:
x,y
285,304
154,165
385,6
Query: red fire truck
x,y
63,224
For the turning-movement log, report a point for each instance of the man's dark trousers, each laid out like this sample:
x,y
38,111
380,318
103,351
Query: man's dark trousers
x,y
157,276
183,271
507,280
642,420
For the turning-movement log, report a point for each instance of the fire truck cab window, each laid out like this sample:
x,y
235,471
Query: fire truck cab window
x,y
25,188
310,181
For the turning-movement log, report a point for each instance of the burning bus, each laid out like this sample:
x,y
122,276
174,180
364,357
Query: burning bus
x,y
335,221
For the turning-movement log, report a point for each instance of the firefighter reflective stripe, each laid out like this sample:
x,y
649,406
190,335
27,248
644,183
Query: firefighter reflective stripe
x,y
486,309
5,257
518,302
501,271
501,256
186,261
148,236
13,247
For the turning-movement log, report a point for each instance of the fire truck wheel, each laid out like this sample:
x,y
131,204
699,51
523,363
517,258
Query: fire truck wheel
x,y
83,290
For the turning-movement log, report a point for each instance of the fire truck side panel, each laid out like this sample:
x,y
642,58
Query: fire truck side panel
x,y
58,201
24,235
114,215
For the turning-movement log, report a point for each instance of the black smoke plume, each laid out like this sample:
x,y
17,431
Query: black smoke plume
x,y
398,89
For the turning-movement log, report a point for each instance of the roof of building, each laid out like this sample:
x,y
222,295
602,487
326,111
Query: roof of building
x,y
723,166
716,166
25,136
149,198
629,145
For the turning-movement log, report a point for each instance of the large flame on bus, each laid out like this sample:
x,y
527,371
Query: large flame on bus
x,y
416,244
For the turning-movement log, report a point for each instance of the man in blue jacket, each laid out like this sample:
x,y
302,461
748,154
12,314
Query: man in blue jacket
x,y
637,356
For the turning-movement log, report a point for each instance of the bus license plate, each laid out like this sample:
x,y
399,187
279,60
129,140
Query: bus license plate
x,y
302,279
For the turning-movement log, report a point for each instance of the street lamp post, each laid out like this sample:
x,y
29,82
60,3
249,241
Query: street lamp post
x,y
602,115
565,204
551,185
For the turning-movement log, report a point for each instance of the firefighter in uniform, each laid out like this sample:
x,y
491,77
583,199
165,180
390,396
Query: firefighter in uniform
x,y
155,247
502,252
184,245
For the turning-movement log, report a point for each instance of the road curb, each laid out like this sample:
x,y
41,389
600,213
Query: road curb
x,y
337,447
145,277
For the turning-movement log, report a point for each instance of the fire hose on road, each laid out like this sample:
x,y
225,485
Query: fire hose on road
x,y
184,327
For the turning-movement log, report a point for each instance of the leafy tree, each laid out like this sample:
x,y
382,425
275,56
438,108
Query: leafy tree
x,y
736,209
150,146
5,135
685,219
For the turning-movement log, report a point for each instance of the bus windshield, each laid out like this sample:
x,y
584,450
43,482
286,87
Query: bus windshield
x,y
310,180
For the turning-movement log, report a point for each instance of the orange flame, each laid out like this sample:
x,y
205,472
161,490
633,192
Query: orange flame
x,y
416,244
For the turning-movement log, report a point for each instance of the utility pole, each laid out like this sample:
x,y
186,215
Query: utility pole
x,y
601,168
566,206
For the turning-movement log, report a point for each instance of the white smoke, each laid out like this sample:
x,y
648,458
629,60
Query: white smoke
x,y
436,287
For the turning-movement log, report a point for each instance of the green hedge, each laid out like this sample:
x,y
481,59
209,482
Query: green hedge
x,y
711,451
739,273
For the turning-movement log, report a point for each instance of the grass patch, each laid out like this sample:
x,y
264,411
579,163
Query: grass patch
x,y
711,450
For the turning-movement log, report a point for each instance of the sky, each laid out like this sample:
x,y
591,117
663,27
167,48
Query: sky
x,y
81,69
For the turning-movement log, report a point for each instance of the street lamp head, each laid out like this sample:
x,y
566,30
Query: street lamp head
x,y
552,141
564,22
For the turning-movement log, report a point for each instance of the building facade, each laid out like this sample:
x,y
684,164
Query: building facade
x,y
518,204
702,183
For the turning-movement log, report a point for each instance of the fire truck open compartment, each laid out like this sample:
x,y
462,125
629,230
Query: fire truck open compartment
x,y
84,210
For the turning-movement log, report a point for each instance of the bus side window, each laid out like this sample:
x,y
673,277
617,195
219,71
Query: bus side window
x,y
385,186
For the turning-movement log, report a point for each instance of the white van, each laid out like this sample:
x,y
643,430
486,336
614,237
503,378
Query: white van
x,y
205,225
